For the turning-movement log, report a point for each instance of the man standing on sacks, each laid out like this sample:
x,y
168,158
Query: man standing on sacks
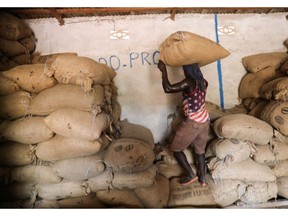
x,y
194,128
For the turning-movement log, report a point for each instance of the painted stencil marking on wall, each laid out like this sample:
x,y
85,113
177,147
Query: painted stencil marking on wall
x,y
132,59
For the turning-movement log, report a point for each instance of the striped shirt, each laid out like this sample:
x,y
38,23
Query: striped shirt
x,y
194,105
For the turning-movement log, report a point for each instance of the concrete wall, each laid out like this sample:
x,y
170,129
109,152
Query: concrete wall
x,y
138,79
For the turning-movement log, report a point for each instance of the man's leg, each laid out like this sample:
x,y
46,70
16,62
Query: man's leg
x,y
182,160
201,168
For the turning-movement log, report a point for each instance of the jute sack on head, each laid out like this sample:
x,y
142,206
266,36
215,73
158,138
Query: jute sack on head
x,y
122,180
80,70
130,130
8,86
31,78
250,85
34,174
155,196
61,190
59,148
119,198
184,48
190,195
11,48
16,154
232,150
79,168
66,96
243,127
129,154
259,192
77,124
15,105
13,28
276,89
276,114
281,169
256,171
257,62
226,191
28,130
282,184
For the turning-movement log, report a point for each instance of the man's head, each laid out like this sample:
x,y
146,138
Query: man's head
x,y
193,71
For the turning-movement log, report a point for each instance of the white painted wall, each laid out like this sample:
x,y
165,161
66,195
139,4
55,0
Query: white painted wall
x,y
138,79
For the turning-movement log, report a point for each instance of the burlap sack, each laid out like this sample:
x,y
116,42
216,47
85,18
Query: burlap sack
x,y
130,130
275,113
232,150
251,83
66,96
61,190
215,111
29,43
15,105
226,191
22,59
264,155
243,127
4,175
34,174
59,148
13,28
184,48
79,168
17,191
259,192
281,169
172,170
258,108
122,180
282,184
192,195
129,154
88,201
79,70
7,86
31,78
155,196
77,124
257,62
167,156
16,154
6,63
119,198
28,130
240,171
38,59
275,89
11,48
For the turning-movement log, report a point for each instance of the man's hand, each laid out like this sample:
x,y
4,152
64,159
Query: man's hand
x,y
161,66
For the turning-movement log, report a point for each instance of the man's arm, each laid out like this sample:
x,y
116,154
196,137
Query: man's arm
x,y
167,86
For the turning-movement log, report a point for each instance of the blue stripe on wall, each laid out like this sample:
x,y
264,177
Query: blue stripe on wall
x,y
219,65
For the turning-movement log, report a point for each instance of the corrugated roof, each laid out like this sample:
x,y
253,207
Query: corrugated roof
x,y
61,13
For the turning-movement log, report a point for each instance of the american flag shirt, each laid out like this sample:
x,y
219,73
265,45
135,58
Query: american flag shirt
x,y
194,105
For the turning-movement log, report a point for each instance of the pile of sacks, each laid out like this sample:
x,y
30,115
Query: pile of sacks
x,y
62,141
17,42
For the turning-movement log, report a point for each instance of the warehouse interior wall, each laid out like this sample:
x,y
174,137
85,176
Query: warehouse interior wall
x,y
129,44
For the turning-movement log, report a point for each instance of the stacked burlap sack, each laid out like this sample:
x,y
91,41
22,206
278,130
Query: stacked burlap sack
x,y
17,42
62,141
269,103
